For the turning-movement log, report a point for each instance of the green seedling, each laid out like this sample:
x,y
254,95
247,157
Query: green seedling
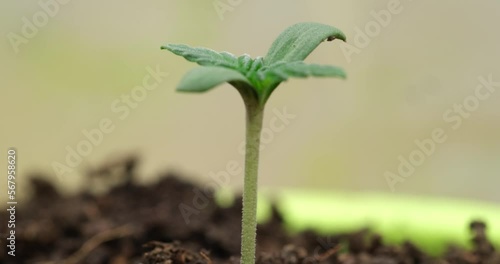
x,y
255,79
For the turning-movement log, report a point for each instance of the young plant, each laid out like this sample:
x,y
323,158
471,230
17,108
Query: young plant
x,y
255,79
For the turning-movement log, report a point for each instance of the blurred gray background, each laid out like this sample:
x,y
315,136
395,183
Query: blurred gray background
x,y
66,65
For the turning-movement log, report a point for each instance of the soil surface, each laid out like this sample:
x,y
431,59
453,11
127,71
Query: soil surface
x,y
176,222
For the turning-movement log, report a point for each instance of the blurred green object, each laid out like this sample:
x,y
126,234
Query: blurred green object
x,y
430,223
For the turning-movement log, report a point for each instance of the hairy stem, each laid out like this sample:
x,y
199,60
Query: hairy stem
x,y
255,113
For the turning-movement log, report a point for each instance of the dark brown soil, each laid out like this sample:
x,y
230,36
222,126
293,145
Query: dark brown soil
x,y
143,224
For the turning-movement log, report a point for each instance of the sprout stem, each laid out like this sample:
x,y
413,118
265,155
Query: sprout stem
x,y
254,116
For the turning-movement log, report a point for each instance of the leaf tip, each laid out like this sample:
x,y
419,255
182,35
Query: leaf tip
x,y
183,89
334,37
167,47
343,75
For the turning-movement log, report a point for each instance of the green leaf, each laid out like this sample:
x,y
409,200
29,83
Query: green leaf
x,y
300,69
204,56
272,76
299,40
202,79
